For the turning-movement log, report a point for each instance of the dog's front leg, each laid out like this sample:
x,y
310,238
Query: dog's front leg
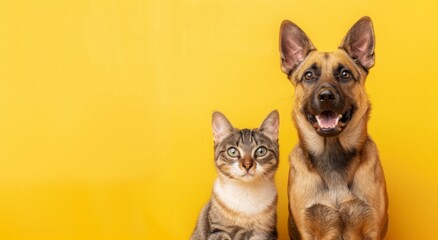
x,y
369,187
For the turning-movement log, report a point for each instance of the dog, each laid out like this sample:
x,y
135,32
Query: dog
x,y
336,186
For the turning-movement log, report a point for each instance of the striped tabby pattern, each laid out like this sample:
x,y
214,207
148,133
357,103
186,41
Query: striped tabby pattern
x,y
244,199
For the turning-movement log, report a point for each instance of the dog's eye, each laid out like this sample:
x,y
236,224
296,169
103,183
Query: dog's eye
x,y
308,75
345,74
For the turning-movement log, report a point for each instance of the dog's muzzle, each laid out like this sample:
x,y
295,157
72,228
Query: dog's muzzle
x,y
329,123
329,113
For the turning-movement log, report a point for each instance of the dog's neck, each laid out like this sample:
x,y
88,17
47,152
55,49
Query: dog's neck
x,y
334,156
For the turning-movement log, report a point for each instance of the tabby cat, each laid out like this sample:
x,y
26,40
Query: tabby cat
x,y
244,199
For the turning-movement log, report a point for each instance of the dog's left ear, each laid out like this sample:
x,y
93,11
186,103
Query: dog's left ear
x,y
359,43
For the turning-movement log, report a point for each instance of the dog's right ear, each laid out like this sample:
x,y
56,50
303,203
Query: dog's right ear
x,y
294,46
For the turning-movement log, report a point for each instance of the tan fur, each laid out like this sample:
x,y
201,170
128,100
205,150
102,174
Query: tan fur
x,y
306,188
348,205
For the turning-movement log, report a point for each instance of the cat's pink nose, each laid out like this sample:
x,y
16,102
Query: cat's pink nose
x,y
247,163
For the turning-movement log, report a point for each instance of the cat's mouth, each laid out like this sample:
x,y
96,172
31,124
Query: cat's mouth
x,y
330,123
248,175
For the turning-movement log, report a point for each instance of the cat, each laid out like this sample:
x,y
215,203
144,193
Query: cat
x,y
244,199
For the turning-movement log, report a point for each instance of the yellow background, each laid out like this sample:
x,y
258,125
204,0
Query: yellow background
x,y
105,108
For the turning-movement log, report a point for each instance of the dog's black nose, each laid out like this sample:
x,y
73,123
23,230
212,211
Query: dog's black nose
x,y
326,95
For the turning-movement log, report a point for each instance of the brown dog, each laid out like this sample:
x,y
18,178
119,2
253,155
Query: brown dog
x,y
336,184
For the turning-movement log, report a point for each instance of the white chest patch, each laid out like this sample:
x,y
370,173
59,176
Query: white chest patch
x,y
248,198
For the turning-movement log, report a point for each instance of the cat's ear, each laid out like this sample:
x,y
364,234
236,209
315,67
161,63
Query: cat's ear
x,y
294,46
221,127
270,125
359,42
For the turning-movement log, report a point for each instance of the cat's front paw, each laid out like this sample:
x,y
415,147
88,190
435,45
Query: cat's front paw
x,y
263,237
219,236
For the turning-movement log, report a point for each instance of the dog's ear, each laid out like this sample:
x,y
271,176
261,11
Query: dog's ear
x,y
359,43
294,46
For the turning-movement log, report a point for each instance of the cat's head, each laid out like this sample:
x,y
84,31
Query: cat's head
x,y
246,155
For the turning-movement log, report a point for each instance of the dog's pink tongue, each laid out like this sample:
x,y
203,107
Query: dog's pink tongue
x,y
327,119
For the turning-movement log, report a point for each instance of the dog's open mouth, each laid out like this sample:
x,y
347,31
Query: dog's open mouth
x,y
330,123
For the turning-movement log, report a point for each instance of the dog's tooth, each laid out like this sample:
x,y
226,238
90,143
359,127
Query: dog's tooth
x,y
336,121
318,120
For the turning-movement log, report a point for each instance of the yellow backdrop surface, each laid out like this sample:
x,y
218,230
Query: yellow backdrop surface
x,y
105,108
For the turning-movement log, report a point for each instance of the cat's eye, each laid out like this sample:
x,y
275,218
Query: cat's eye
x,y
261,151
233,152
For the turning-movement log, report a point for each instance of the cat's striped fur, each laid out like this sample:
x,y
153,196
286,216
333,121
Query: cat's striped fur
x,y
244,199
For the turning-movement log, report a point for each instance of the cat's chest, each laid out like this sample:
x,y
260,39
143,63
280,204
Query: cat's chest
x,y
245,198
